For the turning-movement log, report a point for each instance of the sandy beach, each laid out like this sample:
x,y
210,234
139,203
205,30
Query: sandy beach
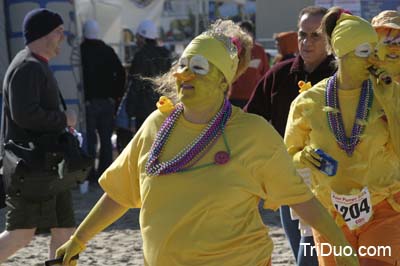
x,y
121,243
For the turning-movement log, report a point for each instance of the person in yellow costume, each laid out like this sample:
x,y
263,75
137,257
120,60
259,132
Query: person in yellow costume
x,y
387,25
353,117
198,175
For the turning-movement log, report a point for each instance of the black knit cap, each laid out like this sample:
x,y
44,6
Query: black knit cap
x,y
40,22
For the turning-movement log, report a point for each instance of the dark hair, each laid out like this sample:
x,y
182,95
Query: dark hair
x,y
150,41
312,11
247,25
328,23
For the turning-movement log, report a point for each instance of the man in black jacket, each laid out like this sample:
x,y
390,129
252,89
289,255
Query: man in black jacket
x,y
104,81
31,108
149,61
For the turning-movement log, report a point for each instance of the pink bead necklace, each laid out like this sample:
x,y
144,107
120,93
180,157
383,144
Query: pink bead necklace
x,y
194,151
335,119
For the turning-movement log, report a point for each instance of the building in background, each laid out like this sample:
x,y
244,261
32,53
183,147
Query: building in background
x,y
281,15
4,58
277,16
117,18
364,8
182,20
178,22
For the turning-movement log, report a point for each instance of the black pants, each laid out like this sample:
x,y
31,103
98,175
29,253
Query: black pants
x,y
99,118
123,138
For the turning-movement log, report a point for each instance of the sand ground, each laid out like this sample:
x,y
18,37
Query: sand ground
x,y
121,243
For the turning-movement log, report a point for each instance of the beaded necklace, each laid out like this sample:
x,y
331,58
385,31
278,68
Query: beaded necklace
x,y
335,119
194,151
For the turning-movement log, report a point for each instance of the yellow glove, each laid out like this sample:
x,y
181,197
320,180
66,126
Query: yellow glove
x,y
382,84
387,94
380,76
105,212
309,157
70,248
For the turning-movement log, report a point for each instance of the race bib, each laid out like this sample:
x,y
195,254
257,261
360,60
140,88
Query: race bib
x,y
356,210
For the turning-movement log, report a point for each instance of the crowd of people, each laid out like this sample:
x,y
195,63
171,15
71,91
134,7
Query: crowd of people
x,y
316,135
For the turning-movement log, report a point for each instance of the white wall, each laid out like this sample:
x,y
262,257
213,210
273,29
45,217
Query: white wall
x,y
276,16
4,60
113,16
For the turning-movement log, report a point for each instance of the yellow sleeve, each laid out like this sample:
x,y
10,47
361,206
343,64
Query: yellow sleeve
x,y
389,98
273,170
121,180
282,184
297,131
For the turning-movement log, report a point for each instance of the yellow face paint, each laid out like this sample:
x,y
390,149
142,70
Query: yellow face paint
x,y
355,66
389,40
201,89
